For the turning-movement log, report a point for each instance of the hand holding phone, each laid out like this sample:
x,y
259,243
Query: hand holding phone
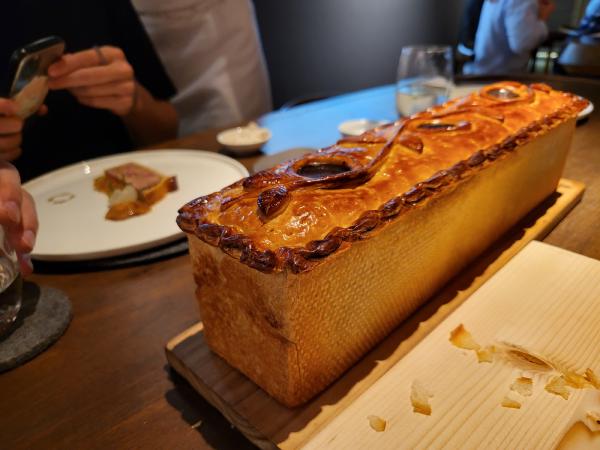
x,y
29,73
99,77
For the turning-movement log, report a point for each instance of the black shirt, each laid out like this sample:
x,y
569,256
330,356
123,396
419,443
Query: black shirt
x,y
71,132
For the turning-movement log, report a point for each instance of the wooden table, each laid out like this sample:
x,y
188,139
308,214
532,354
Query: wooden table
x,y
105,383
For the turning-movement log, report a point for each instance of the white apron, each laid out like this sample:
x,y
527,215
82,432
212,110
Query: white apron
x,y
212,52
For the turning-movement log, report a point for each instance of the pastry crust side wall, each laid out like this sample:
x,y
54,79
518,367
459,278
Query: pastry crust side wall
x,y
294,334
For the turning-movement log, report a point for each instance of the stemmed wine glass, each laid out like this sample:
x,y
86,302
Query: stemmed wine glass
x,y
424,78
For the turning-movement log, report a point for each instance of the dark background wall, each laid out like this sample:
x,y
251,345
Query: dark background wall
x,y
334,46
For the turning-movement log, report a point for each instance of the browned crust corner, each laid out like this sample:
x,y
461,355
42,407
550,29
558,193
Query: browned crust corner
x,y
192,218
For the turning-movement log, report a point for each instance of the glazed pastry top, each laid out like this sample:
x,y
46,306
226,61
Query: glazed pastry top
x,y
296,214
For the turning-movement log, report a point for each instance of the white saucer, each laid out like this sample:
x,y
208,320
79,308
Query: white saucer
x,y
586,111
244,139
356,127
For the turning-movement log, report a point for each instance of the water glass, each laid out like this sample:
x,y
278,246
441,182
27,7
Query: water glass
x,y
10,285
424,78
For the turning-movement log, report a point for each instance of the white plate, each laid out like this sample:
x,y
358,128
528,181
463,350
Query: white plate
x,y
77,230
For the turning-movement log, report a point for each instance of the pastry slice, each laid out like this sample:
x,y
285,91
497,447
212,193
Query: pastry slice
x,y
132,189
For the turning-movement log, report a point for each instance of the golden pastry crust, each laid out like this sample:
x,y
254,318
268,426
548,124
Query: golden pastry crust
x,y
293,216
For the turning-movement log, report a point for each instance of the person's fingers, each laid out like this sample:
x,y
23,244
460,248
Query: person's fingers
x,y
29,224
10,131
8,107
22,237
10,141
42,111
11,154
25,264
91,76
10,125
10,147
17,215
10,195
118,104
119,88
72,62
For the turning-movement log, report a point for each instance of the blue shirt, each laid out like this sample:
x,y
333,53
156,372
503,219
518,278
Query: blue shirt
x,y
590,23
593,8
507,33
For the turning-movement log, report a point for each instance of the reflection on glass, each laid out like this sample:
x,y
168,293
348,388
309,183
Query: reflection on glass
x,y
10,285
424,78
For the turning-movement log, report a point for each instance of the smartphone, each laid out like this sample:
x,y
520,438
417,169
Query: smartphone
x,y
28,73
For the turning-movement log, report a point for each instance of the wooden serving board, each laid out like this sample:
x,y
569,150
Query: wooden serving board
x,y
270,425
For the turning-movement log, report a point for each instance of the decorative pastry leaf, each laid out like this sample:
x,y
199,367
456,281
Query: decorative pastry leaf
x,y
272,202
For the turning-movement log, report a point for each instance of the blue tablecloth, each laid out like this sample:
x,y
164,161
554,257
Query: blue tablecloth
x,y
315,124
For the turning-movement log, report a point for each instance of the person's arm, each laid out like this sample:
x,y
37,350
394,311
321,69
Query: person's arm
x,y
525,26
17,215
103,78
150,124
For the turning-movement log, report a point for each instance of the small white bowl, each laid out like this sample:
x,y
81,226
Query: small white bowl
x,y
356,127
244,139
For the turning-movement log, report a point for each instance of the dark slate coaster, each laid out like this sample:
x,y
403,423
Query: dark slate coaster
x,y
44,317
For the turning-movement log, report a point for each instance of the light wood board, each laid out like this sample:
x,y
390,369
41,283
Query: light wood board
x,y
545,303
270,425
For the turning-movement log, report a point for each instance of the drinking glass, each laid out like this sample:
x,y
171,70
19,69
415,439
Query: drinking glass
x,y
10,285
424,78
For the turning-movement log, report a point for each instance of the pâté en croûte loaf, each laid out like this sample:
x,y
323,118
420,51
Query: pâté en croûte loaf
x,y
301,269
